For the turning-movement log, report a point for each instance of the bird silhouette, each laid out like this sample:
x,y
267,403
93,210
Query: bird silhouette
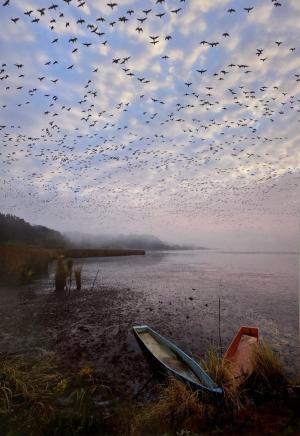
x,y
112,5
175,11
127,130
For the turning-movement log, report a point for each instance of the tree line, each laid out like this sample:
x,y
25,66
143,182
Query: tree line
x,y
16,231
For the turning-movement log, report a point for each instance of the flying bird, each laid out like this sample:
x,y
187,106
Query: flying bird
x,y
175,11
112,5
53,7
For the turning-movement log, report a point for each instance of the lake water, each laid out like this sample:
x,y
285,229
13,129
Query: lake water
x,y
176,293
255,289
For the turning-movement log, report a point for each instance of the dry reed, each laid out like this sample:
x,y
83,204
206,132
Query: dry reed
x,y
268,375
178,407
21,264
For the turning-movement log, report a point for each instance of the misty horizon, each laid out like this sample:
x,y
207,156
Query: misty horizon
x,y
98,239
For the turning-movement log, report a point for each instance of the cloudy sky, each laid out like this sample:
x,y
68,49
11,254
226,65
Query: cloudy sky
x,y
174,118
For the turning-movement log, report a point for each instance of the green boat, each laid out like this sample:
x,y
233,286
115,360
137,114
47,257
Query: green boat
x,y
171,360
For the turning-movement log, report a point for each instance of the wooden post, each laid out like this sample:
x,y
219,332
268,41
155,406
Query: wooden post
x,y
95,280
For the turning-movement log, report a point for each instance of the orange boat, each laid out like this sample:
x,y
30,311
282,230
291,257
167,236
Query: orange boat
x,y
239,354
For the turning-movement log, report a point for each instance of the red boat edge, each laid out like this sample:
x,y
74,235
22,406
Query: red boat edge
x,y
249,331
240,354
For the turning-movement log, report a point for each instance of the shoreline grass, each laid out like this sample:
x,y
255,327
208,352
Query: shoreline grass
x,y
22,264
38,397
179,411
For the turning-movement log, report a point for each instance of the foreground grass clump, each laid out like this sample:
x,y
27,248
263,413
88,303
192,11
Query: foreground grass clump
x,y
27,388
178,410
216,368
177,407
219,371
268,376
37,399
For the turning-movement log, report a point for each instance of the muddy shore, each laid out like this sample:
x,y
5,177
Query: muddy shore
x,y
176,294
87,328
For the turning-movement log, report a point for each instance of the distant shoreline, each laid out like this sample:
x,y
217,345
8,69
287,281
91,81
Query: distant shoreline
x,y
101,252
256,252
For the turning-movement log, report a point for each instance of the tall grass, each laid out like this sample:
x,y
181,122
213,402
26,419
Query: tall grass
x,y
36,398
177,408
26,390
268,376
219,370
94,252
21,264
216,368
180,409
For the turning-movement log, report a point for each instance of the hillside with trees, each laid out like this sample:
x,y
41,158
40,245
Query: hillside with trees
x,y
16,231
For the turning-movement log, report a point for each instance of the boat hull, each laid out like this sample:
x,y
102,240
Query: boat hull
x,y
239,354
170,360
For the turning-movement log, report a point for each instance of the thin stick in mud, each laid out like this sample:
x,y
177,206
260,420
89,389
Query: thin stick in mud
x,y
220,338
95,279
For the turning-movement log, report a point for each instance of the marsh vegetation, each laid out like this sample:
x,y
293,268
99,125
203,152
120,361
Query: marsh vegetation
x,y
38,396
97,369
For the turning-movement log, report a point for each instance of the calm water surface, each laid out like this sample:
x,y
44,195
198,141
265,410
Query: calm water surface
x,y
177,293
255,289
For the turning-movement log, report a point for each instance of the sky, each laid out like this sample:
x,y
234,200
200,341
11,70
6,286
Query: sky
x,y
173,118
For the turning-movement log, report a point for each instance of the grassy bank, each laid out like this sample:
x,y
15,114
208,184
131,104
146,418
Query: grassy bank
x,y
38,397
22,264
107,252
267,403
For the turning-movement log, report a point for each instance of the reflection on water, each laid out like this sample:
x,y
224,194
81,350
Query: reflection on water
x,y
177,293
255,289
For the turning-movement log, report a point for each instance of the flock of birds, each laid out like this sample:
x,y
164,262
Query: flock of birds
x,y
124,112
